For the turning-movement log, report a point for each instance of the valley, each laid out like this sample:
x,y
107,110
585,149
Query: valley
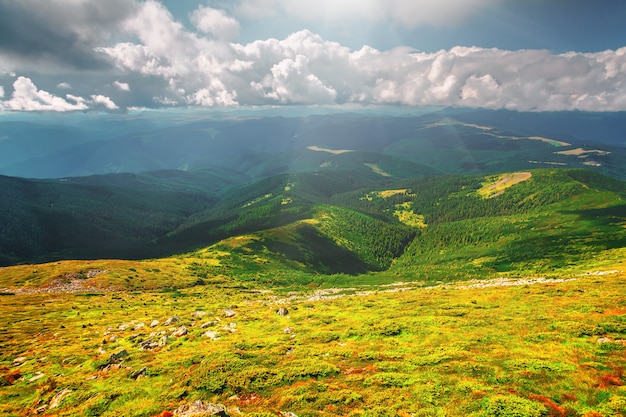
x,y
460,270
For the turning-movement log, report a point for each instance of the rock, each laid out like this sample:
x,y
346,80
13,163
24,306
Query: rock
x,y
180,332
602,340
288,330
137,374
154,323
200,408
229,312
211,334
124,326
56,400
37,376
282,311
20,360
148,344
117,357
208,324
163,341
139,326
198,314
171,320
288,414
231,328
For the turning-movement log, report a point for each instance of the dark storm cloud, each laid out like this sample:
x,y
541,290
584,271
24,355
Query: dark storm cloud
x,y
59,32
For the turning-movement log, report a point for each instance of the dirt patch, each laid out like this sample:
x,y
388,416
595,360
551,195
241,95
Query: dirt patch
x,y
332,151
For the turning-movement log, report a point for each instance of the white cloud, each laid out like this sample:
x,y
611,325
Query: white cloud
x,y
64,86
1,91
215,22
202,67
291,81
104,101
408,13
121,86
26,97
208,70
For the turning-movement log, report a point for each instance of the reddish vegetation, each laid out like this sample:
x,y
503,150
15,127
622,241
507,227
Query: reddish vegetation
x,y
248,399
165,414
356,371
554,410
569,397
8,377
609,380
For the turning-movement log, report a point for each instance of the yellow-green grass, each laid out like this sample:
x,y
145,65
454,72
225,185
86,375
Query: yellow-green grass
x,y
495,185
405,214
454,350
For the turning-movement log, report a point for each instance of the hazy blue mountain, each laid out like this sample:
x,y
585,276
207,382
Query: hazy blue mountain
x,y
446,141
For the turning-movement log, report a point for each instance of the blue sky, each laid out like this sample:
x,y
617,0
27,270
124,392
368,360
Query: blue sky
x,y
557,25
116,55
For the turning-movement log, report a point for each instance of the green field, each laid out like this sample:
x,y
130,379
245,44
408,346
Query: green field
x,y
497,295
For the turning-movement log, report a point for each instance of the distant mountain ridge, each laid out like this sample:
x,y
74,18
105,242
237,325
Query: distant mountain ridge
x,y
452,141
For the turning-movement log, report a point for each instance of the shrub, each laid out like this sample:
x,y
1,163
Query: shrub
x,y
512,406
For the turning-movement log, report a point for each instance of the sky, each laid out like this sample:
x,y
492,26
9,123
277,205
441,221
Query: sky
x,y
123,55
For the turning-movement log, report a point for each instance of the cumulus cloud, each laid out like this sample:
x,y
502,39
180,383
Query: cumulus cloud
x,y
307,69
121,86
64,86
215,22
408,13
174,65
103,101
1,91
26,97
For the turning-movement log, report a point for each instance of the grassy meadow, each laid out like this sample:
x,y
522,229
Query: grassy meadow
x,y
551,347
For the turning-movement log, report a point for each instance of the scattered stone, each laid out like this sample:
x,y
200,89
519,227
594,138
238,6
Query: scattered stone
x,y
38,375
180,332
211,334
117,357
288,414
229,312
124,326
137,374
163,341
20,360
282,311
56,400
198,314
171,320
149,344
200,408
231,328
139,326
208,324
602,340
113,338
288,330
95,272
154,323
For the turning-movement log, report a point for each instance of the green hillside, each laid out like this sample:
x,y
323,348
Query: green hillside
x,y
441,228
328,293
